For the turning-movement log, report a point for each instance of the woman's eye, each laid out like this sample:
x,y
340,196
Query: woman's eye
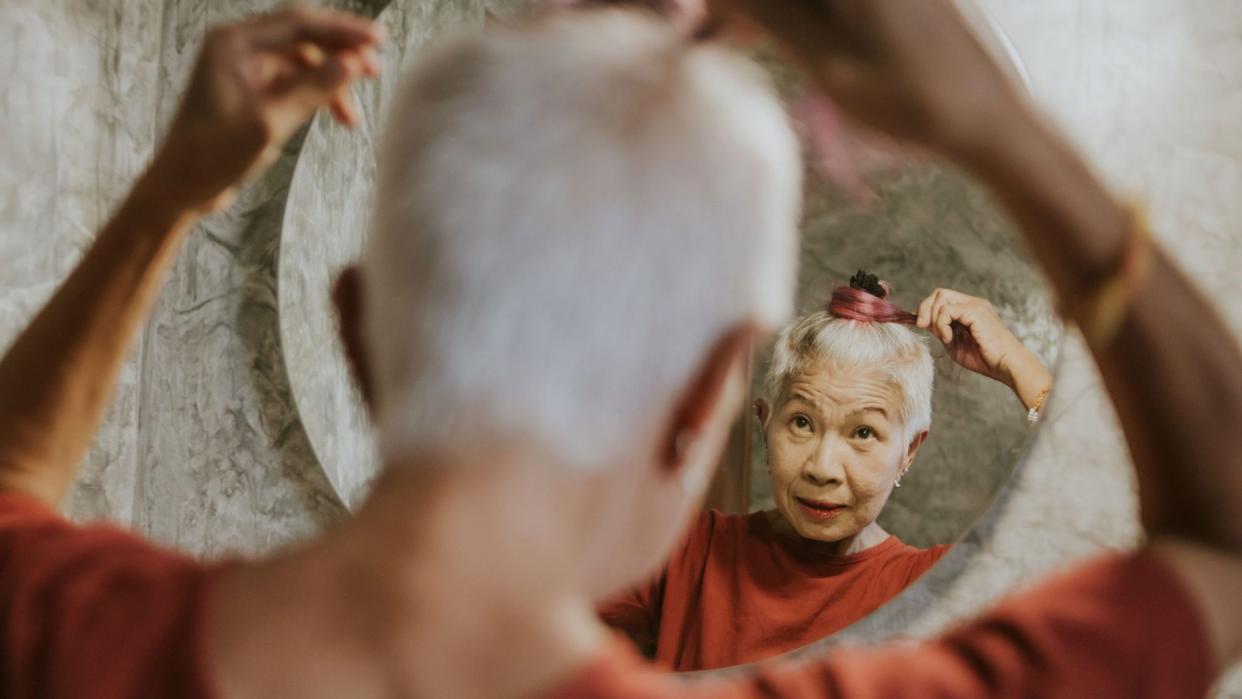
x,y
864,432
801,423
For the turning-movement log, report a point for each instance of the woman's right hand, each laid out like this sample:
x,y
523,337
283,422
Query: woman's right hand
x,y
910,68
995,351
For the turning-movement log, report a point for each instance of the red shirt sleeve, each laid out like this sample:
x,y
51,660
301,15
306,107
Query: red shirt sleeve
x,y
1120,627
94,611
636,613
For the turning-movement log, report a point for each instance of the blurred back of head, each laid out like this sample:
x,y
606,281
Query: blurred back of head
x,y
569,215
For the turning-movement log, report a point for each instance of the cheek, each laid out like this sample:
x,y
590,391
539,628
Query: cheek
x,y
875,476
785,462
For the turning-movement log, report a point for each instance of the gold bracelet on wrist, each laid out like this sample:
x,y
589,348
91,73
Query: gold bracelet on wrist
x,y
1037,410
1102,311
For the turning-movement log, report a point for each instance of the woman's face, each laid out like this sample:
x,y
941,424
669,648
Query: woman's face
x,y
836,446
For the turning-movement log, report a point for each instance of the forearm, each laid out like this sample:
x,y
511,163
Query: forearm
x,y
1173,372
57,378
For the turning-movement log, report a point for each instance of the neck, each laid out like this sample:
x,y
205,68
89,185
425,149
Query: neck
x,y
432,593
867,537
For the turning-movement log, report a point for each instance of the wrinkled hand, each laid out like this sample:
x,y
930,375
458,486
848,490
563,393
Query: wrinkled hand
x,y
909,68
255,83
1001,355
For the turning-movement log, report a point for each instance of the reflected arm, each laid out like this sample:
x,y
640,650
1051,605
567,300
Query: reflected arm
x,y
57,378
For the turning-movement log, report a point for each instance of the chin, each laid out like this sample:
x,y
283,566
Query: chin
x,y
825,532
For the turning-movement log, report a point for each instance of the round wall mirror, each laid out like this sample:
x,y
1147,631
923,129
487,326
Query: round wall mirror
x,y
928,227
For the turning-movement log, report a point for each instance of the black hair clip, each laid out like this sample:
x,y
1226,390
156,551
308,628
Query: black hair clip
x,y
869,283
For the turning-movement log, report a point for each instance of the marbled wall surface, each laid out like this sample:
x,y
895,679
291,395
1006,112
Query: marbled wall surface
x,y
326,223
203,448
77,98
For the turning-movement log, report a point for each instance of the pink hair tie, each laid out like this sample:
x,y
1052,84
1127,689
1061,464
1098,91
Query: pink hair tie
x,y
866,300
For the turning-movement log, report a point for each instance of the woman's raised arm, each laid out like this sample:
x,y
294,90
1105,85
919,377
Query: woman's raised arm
x,y
1173,371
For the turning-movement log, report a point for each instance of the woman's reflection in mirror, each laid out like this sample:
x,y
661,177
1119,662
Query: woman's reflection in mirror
x,y
846,407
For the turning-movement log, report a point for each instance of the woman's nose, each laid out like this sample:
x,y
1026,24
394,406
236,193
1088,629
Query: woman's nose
x,y
825,467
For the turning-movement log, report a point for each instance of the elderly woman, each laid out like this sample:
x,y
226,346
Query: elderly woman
x,y
847,407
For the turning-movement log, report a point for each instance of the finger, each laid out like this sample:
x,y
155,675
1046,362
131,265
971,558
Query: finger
x,y
309,55
310,88
371,62
946,313
933,304
957,297
925,311
344,107
325,28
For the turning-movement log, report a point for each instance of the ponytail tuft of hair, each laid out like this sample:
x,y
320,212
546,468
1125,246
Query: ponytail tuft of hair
x,y
866,300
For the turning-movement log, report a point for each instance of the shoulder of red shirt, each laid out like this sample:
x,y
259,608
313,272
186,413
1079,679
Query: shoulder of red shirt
x,y
96,610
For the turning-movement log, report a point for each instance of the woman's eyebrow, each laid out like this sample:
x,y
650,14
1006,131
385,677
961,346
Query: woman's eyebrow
x,y
871,408
803,398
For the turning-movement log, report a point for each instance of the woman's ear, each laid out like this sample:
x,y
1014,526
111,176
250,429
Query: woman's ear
x,y
347,298
705,396
762,411
913,450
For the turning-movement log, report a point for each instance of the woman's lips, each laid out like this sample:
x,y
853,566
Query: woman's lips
x,y
815,509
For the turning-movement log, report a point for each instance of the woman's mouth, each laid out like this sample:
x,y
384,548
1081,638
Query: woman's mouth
x,y
816,509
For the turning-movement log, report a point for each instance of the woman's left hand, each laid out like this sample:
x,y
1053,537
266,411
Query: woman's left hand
x,y
1001,355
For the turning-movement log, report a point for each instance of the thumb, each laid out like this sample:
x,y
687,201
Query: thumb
x,y
311,87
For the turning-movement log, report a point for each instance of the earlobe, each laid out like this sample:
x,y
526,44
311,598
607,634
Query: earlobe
x,y
347,298
702,399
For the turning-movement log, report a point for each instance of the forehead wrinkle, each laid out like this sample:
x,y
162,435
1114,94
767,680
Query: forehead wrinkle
x,y
815,388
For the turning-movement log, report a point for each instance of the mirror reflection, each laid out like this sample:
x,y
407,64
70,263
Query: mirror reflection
x,y
887,416
884,421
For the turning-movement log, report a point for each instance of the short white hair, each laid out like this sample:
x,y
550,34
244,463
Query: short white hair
x,y
895,350
569,215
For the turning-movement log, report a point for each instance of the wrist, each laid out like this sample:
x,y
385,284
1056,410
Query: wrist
x,y
169,188
1028,378
158,204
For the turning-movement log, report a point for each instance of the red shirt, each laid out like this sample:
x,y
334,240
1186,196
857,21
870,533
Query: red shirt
x,y
737,592
94,611
1121,627
97,612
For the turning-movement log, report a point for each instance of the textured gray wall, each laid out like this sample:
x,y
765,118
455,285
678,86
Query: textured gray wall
x,y
203,449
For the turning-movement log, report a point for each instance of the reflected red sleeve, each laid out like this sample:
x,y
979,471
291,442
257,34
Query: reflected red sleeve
x,y
1120,627
636,613
94,611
